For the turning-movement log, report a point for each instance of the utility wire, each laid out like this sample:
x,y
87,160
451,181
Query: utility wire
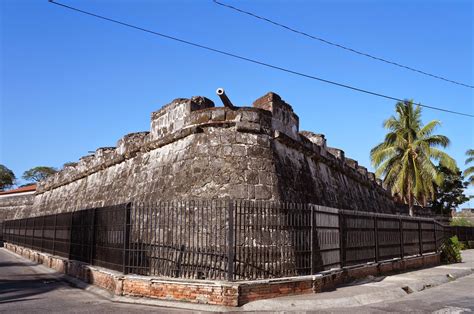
x,y
253,60
340,46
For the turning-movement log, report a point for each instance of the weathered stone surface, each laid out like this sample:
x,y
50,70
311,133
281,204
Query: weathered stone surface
x,y
197,151
15,205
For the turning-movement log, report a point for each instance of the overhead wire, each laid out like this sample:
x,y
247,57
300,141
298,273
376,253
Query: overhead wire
x,y
252,60
328,42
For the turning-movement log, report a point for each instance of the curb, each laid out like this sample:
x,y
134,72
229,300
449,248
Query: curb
x,y
356,300
453,272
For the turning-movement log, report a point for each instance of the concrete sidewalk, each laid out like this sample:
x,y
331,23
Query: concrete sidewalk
x,y
371,290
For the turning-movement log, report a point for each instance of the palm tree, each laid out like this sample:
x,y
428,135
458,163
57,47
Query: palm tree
x,y
405,158
470,171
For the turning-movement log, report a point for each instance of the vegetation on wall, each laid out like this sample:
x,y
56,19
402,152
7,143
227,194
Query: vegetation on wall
x,y
461,222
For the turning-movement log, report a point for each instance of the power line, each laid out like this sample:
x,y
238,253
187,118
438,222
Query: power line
x,y
252,60
341,46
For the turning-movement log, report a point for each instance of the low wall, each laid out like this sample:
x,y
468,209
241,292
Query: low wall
x,y
217,292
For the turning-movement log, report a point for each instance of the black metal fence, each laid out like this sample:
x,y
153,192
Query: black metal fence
x,y
228,240
463,233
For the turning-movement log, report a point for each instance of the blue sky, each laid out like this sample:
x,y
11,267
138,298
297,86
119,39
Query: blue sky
x,y
72,83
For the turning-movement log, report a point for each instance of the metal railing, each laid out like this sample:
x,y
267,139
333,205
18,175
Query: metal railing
x,y
228,240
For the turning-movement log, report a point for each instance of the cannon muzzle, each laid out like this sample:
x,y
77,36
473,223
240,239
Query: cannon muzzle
x,y
225,100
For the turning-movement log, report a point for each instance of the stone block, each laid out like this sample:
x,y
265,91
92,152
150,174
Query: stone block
x,y
263,192
218,114
244,126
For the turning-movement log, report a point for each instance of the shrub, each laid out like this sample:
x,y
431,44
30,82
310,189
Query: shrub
x,y
451,250
461,222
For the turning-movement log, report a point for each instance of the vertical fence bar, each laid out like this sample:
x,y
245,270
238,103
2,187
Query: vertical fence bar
x,y
92,238
54,233
313,241
33,234
126,237
376,239
435,237
342,230
42,234
70,234
420,238
230,241
402,236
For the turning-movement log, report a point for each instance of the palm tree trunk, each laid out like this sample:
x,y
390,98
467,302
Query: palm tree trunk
x,y
410,200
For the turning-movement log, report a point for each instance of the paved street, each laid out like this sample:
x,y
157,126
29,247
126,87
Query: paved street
x,y
29,288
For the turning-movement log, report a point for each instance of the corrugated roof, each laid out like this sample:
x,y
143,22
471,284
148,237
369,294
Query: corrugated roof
x,y
28,188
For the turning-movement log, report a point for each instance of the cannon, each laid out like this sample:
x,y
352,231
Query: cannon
x,y
225,100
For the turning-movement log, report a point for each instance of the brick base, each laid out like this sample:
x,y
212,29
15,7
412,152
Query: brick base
x,y
217,292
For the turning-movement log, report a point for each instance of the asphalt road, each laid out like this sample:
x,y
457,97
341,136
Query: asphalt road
x,y
29,288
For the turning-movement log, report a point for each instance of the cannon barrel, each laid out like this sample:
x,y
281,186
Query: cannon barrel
x,y
225,100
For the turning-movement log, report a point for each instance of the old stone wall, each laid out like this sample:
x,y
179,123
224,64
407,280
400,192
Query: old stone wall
x,y
14,205
195,150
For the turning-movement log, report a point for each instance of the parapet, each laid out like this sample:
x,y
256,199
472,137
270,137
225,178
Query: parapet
x,y
283,117
318,139
173,116
269,115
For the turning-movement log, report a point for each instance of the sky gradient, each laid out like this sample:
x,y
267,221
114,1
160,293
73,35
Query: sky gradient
x,y
71,83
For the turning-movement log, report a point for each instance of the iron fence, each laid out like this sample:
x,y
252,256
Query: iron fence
x,y
228,240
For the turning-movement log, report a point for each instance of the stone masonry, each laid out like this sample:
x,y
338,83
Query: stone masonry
x,y
195,150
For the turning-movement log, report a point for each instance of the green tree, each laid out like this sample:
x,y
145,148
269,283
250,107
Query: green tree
x,y
405,159
469,172
7,178
38,173
450,194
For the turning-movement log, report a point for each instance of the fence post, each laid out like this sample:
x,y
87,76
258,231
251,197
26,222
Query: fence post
x,y
25,220
70,234
33,233
420,238
342,230
42,234
313,249
92,242
54,233
402,246
230,240
435,237
376,239
126,237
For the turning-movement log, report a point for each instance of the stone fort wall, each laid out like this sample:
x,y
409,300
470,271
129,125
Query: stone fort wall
x,y
195,150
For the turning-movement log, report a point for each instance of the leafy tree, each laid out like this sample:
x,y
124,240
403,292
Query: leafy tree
x,y
405,158
450,194
38,173
469,172
7,178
